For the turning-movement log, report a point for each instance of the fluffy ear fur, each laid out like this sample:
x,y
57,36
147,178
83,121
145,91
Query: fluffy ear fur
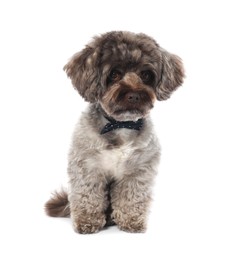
x,y
172,75
84,74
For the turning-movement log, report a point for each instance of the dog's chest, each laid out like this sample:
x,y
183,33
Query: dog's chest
x,y
114,161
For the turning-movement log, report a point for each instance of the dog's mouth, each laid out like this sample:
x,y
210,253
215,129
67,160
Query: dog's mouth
x,y
125,104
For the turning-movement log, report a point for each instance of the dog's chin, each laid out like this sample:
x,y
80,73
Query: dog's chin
x,y
121,113
128,115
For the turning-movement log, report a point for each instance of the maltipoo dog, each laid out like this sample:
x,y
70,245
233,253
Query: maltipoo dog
x,y
114,153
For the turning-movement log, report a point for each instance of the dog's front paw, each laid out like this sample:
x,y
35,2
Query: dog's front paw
x,y
89,224
133,227
87,228
133,223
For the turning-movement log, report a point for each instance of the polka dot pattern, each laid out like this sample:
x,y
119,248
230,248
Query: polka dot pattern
x,y
113,125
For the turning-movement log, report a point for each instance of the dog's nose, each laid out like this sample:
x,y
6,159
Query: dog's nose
x,y
133,97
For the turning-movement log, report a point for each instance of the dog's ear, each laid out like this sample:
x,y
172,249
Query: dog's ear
x,y
83,71
172,75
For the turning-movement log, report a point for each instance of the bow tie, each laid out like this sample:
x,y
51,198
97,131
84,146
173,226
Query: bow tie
x,y
113,124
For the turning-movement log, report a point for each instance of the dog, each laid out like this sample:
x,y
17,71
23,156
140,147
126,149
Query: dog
x,y
114,153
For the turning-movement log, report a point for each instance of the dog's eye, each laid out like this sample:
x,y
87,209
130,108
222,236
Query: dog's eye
x,y
147,76
115,75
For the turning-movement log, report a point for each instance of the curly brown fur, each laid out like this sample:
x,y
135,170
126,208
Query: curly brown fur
x,y
121,75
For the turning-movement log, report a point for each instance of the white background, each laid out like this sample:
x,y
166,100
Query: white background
x,y
192,216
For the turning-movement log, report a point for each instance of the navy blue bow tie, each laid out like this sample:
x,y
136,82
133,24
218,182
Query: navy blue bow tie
x,y
113,124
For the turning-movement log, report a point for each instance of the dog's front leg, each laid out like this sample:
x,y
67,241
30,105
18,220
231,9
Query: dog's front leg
x,y
130,198
88,201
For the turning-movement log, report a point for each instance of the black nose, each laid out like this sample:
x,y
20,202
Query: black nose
x,y
133,97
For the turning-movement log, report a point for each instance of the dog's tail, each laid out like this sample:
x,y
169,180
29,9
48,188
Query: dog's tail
x,y
58,205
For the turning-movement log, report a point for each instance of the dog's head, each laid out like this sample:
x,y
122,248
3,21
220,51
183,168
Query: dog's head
x,y
125,73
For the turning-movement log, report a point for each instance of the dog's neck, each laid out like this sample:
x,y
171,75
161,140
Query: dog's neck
x,y
113,124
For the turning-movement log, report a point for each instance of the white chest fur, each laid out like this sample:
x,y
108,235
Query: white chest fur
x,y
114,161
